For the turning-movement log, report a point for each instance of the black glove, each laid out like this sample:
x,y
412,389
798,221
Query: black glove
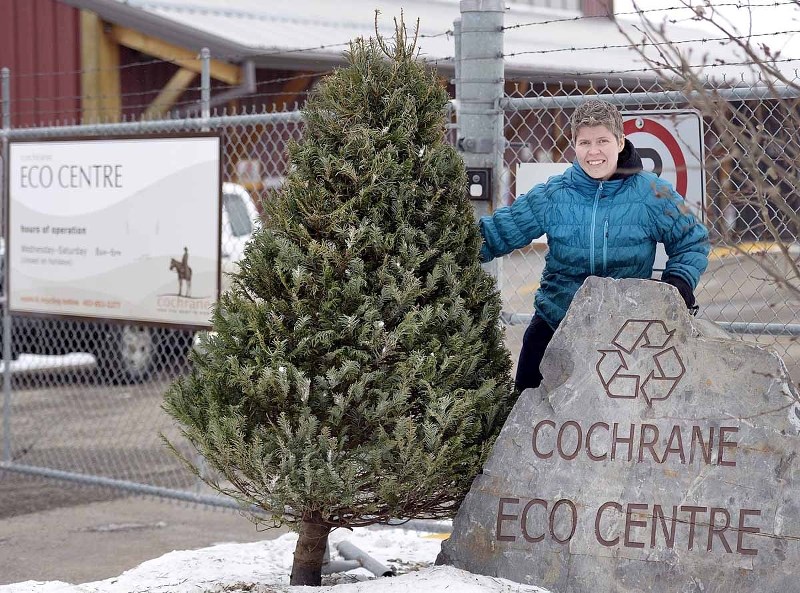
x,y
686,292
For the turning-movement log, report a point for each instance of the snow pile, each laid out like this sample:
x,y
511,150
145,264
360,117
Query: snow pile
x,y
263,567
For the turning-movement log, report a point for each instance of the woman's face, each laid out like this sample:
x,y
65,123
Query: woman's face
x,y
597,150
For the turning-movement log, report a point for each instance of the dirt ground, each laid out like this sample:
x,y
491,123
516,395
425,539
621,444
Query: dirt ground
x,y
93,541
21,494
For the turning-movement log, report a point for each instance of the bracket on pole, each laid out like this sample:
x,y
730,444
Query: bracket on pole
x,y
476,145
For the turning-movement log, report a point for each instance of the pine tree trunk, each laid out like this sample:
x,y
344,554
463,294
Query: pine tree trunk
x,y
308,554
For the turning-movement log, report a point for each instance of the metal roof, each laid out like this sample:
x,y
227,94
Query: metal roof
x,y
312,34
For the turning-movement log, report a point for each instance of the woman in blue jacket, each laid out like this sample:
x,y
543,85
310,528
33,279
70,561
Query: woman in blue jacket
x,y
602,217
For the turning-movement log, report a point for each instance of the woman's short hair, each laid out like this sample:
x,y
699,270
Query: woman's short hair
x,y
596,112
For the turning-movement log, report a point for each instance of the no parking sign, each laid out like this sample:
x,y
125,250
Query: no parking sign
x,y
670,143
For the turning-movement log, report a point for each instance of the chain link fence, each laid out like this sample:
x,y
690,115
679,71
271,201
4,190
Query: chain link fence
x,y
82,399
737,290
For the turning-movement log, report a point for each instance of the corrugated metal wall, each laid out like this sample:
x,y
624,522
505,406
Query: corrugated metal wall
x,y
40,44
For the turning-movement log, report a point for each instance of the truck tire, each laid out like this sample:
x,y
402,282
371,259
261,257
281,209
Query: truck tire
x,y
127,353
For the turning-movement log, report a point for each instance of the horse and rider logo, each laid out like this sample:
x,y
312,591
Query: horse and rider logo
x,y
641,344
184,272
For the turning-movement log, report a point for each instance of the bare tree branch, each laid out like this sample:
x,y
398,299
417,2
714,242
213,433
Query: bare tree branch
x,y
755,144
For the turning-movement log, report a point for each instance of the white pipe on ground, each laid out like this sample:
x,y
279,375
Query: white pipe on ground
x,y
351,552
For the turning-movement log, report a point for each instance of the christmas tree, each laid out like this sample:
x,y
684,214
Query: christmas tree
x,y
357,371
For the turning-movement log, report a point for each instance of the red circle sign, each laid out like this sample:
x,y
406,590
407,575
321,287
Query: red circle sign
x,y
656,129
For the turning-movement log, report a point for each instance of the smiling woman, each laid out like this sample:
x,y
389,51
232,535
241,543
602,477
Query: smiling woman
x,y
602,217
597,150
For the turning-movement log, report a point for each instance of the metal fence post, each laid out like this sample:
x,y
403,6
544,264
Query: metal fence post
x,y
457,61
5,91
205,83
205,113
479,89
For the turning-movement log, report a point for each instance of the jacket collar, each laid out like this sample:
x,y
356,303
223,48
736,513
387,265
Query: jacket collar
x,y
629,162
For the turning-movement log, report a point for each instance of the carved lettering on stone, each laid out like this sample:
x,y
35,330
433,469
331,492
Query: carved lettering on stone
x,y
652,459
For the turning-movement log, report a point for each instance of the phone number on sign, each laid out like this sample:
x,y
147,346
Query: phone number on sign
x,y
101,304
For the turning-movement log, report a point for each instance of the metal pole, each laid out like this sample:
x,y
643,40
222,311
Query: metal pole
x,y
135,487
141,127
633,100
5,85
205,113
205,84
457,60
478,93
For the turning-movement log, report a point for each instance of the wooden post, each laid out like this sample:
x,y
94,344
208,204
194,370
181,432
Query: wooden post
x,y
101,94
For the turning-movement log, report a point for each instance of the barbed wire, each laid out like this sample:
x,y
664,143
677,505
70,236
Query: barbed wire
x,y
229,58
175,61
136,111
560,75
218,88
225,87
196,89
435,61
193,103
295,77
256,94
280,52
442,34
738,5
120,96
644,44
432,61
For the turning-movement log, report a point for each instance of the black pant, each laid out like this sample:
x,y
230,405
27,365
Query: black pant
x,y
536,339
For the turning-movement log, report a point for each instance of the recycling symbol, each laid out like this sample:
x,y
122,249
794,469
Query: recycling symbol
x,y
641,345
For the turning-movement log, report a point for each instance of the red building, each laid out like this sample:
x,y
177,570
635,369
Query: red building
x,y
107,60
40,45
88,61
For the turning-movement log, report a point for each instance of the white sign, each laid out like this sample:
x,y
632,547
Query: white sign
x,y
530,174
117,229
670,143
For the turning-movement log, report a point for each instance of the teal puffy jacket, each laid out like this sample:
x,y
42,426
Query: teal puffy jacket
x,y
598,228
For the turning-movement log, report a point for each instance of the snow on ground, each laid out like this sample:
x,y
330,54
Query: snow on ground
x,y
264,567
42,362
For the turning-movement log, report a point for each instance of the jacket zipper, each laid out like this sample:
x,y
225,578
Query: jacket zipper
x,y
605,246
591,235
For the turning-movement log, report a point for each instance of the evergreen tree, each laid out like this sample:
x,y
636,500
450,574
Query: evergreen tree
x,y
357,371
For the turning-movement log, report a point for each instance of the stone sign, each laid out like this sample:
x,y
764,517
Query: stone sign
x,y
654,458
